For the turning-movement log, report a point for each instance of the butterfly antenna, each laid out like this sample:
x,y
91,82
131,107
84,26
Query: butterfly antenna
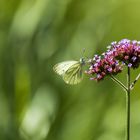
x,y
83,52
84,58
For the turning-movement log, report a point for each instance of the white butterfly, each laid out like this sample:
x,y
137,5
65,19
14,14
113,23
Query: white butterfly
x,y
71,71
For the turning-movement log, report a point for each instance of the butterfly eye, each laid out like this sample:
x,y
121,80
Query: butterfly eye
x,y
82,61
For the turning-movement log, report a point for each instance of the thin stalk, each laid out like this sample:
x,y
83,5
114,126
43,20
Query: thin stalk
x,y
119,82
128,106
134,82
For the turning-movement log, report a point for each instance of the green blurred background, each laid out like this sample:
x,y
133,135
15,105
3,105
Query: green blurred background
x,y
35,103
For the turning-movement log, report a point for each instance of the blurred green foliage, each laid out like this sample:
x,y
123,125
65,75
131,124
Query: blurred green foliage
x,y
35,103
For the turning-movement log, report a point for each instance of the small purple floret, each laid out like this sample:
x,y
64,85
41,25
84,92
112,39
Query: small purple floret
x,y
129,65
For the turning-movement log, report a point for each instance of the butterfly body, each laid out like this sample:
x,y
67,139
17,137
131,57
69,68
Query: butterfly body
x,y
71,71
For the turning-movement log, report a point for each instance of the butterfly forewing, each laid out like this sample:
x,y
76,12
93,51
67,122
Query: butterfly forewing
x,y
62,67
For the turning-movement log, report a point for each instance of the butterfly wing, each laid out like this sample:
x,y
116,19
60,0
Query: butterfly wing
x,y
74,74
62,67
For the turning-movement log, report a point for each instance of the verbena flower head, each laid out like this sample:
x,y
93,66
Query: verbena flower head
x,y
103,65
126,51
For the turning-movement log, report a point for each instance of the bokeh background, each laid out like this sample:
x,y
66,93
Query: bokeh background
x,y
35,103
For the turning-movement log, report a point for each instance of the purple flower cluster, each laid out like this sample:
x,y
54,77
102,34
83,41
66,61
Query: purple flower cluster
x,y
111,62
102,66
127,52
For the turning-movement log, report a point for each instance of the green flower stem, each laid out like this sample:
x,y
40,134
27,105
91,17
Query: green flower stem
x,y
128,90
119,83
134,82
128,106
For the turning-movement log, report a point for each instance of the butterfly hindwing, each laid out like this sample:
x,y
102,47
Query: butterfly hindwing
x,y
73,75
